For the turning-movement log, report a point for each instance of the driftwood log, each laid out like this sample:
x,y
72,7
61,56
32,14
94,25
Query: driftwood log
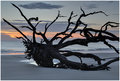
x,y
45,51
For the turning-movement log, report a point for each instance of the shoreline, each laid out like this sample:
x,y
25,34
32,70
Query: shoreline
x,y
13,69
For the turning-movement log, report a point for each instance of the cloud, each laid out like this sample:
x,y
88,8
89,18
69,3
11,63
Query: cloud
x,y
40,5
5,37
91,6
19,20
111,1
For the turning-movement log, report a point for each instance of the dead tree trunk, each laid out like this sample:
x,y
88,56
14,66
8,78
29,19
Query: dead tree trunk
x,y
43,54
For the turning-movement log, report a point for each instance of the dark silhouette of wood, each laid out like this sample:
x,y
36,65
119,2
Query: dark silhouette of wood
x,y
44,53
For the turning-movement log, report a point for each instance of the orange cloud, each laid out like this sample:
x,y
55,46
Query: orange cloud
x,y
15,53
14,34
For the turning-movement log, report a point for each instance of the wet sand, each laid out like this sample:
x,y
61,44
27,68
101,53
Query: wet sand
x,y
13,69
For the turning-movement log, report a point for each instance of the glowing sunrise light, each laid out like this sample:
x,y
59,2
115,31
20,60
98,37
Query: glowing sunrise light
x,y
14,34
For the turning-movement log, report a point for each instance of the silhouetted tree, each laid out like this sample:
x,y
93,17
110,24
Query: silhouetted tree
x,y
45,51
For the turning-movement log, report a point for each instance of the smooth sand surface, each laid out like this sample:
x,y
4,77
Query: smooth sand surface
x,y
13,69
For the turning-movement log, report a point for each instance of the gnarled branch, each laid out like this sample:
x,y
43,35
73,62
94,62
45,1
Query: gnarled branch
x,y
16,29
84,55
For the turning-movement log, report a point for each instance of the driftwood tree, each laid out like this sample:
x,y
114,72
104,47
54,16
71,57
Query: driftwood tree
x,y
44,53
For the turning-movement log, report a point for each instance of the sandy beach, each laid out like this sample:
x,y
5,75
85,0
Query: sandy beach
x,y
13,69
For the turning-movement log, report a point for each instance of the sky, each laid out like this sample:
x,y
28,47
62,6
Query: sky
x,y
46,11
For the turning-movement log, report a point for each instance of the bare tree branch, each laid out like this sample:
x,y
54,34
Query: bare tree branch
x,y
46,28
78,22
26,27
20,11
75,41
67,28
16,29
28,21
54,19
43,36
110,24
21,38
105,42
37,23
84,55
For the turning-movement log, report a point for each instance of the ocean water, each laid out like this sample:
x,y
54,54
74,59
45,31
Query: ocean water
x,y
16,47
12,47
